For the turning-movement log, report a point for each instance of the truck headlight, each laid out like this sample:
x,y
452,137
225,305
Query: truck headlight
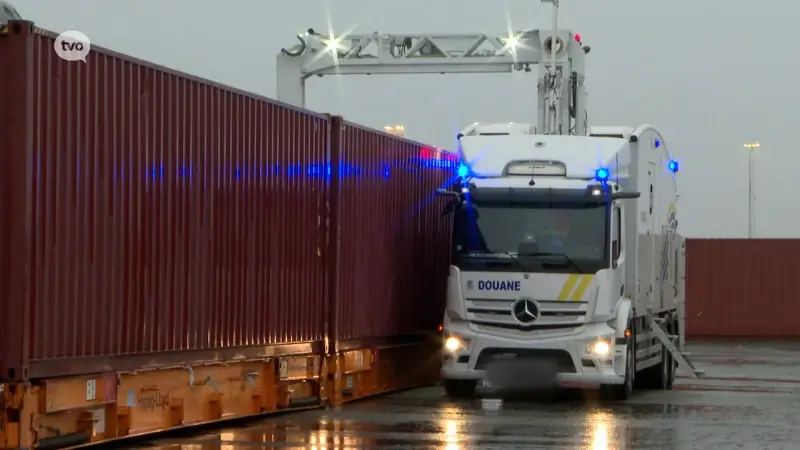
x,y
454,344
600,347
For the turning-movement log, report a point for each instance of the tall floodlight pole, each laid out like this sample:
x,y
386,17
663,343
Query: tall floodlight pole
x,y
751,148
553,78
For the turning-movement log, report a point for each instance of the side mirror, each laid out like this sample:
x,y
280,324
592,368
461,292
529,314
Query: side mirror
x,y
446,193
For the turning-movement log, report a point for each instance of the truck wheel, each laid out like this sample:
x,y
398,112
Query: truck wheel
x,y
624,391
673,365
666,370
460,388
662,375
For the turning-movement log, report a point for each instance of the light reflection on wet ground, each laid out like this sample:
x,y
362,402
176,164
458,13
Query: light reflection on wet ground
x,y
749,400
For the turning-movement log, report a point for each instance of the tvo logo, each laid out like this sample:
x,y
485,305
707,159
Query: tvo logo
x,y
72,46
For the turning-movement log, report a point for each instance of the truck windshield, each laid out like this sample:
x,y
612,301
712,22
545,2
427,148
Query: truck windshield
x,y
557,237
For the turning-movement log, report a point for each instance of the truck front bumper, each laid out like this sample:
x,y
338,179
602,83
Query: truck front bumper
x,y
588,359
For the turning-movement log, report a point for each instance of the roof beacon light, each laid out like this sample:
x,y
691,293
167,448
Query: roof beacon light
x,y
673,166
601,175
463,171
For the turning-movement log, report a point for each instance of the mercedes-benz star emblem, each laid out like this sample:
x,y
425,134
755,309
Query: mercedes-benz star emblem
x,y
525,310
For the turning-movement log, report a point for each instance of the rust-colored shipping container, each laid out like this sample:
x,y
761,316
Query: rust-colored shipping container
x,y
173,251
151,218
742,288
393,245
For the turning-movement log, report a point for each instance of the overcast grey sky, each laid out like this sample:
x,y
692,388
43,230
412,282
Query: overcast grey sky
x,y
711,74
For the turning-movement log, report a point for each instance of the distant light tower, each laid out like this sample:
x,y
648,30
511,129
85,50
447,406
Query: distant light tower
x,y
751,148
396,130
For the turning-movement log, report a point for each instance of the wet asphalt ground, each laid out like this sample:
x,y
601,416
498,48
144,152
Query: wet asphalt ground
x,y
748,399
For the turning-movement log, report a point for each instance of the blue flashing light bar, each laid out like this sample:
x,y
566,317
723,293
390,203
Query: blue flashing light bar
x,y
601,175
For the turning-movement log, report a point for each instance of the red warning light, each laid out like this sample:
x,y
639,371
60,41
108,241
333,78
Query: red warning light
x,y
577,37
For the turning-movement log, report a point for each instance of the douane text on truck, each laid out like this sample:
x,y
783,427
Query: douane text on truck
x,y
489,285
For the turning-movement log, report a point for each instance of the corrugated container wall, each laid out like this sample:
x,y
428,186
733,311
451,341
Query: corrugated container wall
x,y
394,247
145,211
742,288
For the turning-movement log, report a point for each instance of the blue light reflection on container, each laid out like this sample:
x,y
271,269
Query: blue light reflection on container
x,y
313,170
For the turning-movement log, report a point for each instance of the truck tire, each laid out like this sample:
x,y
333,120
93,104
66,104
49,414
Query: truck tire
x,y
464,389
624,391
663,380
662,375
673,329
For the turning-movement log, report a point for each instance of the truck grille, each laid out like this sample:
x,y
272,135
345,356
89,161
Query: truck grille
x,y
554,314
559,359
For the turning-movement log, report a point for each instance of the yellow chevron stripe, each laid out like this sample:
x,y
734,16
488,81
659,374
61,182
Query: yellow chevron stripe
x,y
586,280
568,286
